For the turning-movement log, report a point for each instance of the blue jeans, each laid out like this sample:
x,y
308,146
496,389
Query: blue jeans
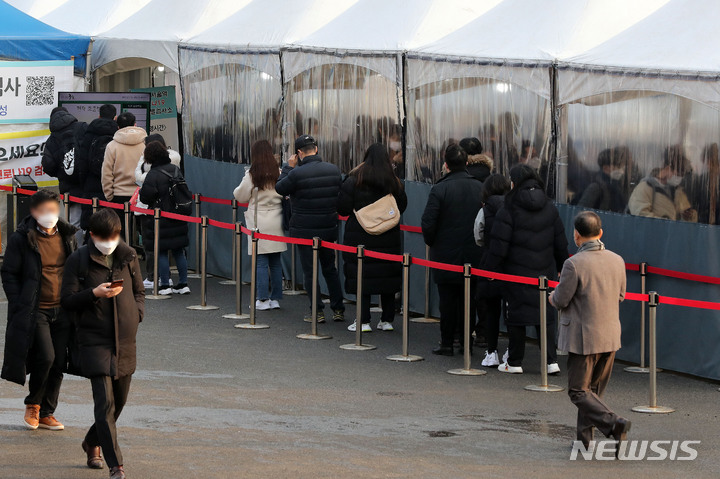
x,y
269,287
164,266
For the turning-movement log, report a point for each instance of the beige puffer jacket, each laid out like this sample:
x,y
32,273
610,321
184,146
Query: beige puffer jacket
x,y
121,158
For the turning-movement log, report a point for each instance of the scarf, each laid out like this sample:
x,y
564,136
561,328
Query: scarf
x,y
592,245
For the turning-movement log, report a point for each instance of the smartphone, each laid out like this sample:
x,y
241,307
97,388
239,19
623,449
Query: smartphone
x,y
116,283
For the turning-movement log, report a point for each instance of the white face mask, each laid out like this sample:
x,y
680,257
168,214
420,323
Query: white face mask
x,y
106,247
395,145
48,220
675,180
617,175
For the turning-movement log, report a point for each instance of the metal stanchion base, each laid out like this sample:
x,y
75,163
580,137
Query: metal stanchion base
x,y
236,316
314,336
653,409
548,388
158,296
200,307
425,320
251,326
230,282
357,347
636,369
193,276
467,372
410,358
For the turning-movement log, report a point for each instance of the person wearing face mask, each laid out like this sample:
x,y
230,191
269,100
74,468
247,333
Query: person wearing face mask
x,y
103,286
38,329
606,192
661,195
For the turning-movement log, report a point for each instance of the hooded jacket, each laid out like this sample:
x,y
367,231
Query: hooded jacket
x,y
21,277
480,166
58,159
652,199
527,239
98,128
121,158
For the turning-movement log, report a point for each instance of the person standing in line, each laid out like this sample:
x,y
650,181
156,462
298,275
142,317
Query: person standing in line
x,y
489,296
592,285
607,191
38,330
480,165
102,286
141,171
155,192
371,181
313,186
58,159
257,189
90,155
527,239
447,227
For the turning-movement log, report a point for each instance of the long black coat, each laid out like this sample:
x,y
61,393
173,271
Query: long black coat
x,y
21,276
448,220
527,239
155,190
378,276
105,328
65,130
313,188
91,173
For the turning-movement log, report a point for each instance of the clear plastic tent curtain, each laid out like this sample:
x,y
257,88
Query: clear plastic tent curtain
x,y
506,106
347,102
641,144
231,100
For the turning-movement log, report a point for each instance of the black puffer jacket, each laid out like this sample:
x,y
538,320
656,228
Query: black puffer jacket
x,y
313,188
378,276
58,158
448,220
486,288
527,239
154,192
21,276
91,172
105,328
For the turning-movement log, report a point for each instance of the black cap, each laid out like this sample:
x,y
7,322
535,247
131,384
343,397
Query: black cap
x,y
304,140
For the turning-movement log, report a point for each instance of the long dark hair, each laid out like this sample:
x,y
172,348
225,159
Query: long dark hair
x,y
263,166
376,172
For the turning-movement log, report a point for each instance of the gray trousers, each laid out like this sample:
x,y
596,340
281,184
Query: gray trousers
x,y
110,396
588,376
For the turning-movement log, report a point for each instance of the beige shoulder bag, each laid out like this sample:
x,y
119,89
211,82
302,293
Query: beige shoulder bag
x,y
380,216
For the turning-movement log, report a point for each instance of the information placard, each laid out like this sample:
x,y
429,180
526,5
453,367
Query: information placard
x,y
85,106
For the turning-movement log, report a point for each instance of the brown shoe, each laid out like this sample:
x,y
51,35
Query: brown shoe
x,y
117,472
51,423
94,456
32,416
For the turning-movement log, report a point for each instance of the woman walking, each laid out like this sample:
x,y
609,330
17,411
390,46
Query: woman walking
x,y
265,214
369,183
155,192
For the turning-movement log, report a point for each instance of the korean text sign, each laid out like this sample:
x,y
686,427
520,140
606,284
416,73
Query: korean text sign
x,y
28,90
20,154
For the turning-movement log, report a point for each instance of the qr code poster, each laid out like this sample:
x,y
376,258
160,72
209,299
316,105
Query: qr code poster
x,y
29,90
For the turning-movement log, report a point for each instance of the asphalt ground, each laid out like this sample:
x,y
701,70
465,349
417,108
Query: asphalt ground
x,y
212,401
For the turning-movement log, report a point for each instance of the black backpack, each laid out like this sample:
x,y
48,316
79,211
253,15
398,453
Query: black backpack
x,y
96,154
179,199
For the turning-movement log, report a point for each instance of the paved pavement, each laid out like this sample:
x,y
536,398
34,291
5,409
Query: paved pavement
x,y
211,401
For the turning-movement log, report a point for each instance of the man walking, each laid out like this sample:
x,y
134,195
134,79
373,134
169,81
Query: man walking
x,y
592,284
103,286
313,186
38,330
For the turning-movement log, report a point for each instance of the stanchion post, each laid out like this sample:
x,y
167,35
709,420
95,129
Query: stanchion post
x,y
543,386
641,368
405,356
66,204
94,205
467,369
253,287
653,408
235,237
203,306
314,291
126,212
14,207
293,291
156,255
426,316
196,202
358,345
238,284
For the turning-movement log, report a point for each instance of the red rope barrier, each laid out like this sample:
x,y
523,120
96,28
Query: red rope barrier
x,y
680,275
637,297
279,239
690,303
82,201
220,224
5,187
397,258
411,229
174,216
338,247
145,211
504,277
107,204
632,267
217,201
435,265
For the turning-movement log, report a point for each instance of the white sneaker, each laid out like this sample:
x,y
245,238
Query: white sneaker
x,y
148,284
262,305
385,326
366,328
491,359
165,291
274,304
553,368
181,289
506,368
506,355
